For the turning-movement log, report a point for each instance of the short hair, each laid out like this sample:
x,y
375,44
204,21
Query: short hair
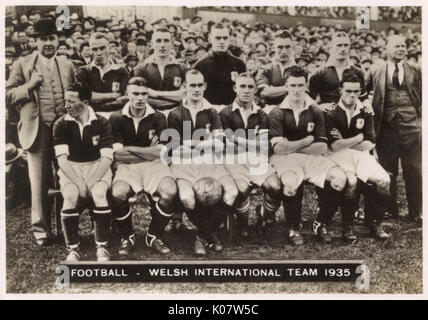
x,y
84,44
246,75
283,35
351,75
163,30
98,36
219,26
194,72
84,92
340,35
137,81
296,72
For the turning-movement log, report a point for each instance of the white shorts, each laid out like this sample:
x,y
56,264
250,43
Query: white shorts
x,y
194,172
308,167
143,176
84,170
242,171
360,163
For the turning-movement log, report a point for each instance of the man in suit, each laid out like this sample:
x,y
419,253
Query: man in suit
x,y
36,87
397,103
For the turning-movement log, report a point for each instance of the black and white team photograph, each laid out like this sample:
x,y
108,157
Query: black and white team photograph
x,y
213,135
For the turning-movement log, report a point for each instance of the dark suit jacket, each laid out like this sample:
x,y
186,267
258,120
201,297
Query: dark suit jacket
x,y
376,81
26,101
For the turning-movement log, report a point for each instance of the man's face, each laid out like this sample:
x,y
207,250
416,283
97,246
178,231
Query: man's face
x,y
138,96
396,48
350,92
47,45
251,66
161,43
366,66
340,47
283,51
132,48
219,39
32,43
22,37
195,87
261,50
23,19
86,51
75,36
296,88
100,51
62,51
73,105
245,89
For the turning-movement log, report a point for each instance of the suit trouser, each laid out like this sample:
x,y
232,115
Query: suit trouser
x,y
403,140
40,157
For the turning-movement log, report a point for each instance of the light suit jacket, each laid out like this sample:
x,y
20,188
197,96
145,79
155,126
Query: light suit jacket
x,y
27,101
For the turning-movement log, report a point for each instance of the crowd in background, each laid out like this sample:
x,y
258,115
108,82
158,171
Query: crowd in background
x,y
129,42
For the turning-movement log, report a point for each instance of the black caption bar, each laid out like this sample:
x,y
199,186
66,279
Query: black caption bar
x,y
211,271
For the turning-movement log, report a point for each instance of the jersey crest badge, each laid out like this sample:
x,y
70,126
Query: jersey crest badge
x,y
177,82
95,140
360,123
311,126
234,75
115,86
208,127
151,134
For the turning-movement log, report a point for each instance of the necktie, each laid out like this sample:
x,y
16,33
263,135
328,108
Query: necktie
x,y
395,80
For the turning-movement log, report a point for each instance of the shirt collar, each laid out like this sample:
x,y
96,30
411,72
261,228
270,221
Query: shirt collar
x,y
126,109
392,64
359,106
285,104
113,66
281,66
152,59
46,60
205,105
236,106
92,117
330,63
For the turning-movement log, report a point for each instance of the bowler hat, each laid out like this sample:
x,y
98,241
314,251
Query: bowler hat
x,y
12,154
45,27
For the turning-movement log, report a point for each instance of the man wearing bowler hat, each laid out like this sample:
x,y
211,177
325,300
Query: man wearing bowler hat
x,y
36,87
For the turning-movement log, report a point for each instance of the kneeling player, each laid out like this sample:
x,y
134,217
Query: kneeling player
x,y
241,117
136,131
196,113
350,130
83,147
299,140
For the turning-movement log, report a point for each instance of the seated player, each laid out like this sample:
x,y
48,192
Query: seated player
x,y
196,113
298,137
350,130
83,146
136,131
244,114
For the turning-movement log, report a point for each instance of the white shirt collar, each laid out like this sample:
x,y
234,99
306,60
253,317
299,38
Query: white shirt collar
x,y
45,61
330,63
92,117
391,64
126,111
205,105
285,104
152,59
359,106
236,106
291,63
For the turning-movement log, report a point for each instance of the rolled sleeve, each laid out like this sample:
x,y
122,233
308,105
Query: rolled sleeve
x,y
117,146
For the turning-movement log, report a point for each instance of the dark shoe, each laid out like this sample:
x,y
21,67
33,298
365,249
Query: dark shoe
x,y
102,254
215,243
242,226
44,242
179,226
378,233
157,244
320,229
72,255
126,245
199,247
349,235
295,236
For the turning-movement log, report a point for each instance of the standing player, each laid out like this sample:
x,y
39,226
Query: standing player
x,y
197,113
350,130
298,137
164,74
244,114
219,68
136,130
271,77
83,147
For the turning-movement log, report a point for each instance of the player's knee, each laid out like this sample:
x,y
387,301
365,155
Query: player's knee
x,y
243,188
272,186
337,178
70,193
99,194
230,193
290,182
121,190
187,199
167,189
382,183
